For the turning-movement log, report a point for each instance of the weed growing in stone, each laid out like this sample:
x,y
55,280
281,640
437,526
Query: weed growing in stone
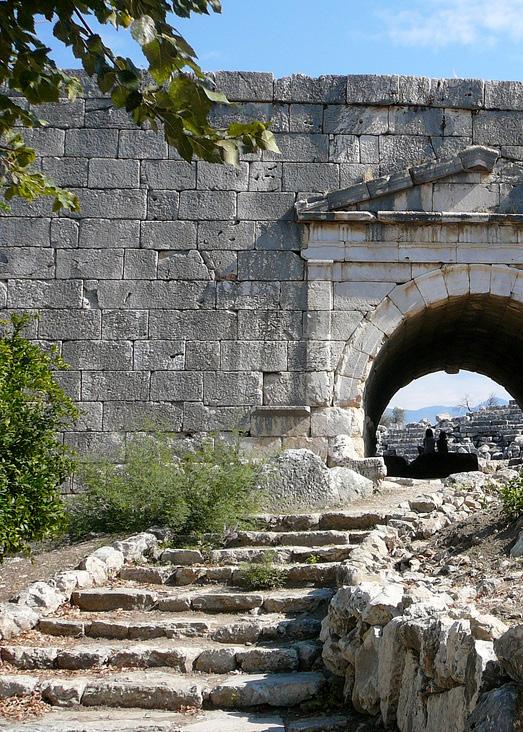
x,y
198,492
512,497
262,574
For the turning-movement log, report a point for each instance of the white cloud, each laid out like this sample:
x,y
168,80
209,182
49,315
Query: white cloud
x,y
444,389
445,22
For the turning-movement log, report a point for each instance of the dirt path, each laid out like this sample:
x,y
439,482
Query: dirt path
x,y
18,572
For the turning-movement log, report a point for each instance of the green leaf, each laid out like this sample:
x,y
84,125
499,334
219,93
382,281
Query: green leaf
x,y
143,30
217,97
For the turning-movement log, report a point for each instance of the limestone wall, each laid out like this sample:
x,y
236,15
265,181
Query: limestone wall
x,y
179,294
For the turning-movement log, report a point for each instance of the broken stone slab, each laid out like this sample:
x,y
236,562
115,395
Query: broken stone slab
x,y
349,486
275,690
42,597
268,660
106,599
509,650
98,570
182,556
137,546
217,660
345,520
486,627
83,658
287,602
146,575
426,504
479,157
17,685
62,627
15,619
63,692
144,690
223,602
433,170
389,184
74,579
27,658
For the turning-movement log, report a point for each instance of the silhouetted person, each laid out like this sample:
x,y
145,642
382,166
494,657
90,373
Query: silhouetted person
x,y
429,443
443,445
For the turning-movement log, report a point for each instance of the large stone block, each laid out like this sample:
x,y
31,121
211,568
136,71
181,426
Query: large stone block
x,y
135,416
233,388
98,445
311,177
253,356
278,235
99,355
227,235
270,325
285,388
188,266
162,205
414,121
91,143
125,203
212,177
207,205
306,118
66,171
159,355
69,324
168,174
177,386
140,264
129,324
22,232
270,266
25,294
247,295
26,262
321,90
202,355
168,235
143,294
99,233
371,89
194,325
460,93
245,86
265,177
277,115
197,417
265,206
356,120
105,173
89,263
504,95
346,149
64,233
115,386
497,128
298,147
47,140
62,114
141,144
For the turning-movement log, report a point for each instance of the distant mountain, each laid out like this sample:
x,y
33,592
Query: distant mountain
x,y
415,415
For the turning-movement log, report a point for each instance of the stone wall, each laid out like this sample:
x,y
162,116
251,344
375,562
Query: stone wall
x,y
181,293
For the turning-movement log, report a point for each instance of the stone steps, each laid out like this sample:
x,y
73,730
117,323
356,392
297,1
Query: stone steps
x,y
183,656
340,521
291,538
86,719
105,599
151,689
321,573
231,629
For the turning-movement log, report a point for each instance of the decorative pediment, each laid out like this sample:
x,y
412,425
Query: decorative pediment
x,y
475,158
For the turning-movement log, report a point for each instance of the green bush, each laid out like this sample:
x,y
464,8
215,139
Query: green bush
x,y
512,497
262,574
33,460
196,492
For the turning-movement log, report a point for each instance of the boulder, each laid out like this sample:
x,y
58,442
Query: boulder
x,y
42,597
348,485
509,650
365,697
298,480
498,710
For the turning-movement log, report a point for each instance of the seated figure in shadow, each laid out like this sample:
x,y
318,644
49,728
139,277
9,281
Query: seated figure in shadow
x,y
429,443
442,443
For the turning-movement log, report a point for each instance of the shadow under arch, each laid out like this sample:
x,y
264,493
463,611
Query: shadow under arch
x,y
455,317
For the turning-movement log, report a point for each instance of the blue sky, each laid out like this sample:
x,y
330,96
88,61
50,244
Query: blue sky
x,y
466,38
438,38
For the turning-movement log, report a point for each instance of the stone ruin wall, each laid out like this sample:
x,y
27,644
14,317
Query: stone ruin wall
x,y
179,294
495,433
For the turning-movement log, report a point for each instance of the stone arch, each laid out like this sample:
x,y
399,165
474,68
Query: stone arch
x,y
458,316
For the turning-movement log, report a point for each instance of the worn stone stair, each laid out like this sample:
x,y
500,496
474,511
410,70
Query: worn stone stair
x,y
180,636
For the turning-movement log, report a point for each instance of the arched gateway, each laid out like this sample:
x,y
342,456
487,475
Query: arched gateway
x,y
437,290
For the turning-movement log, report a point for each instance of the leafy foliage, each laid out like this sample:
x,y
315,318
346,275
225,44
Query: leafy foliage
x,y
262,574
512,497
33,460
202,491
175,93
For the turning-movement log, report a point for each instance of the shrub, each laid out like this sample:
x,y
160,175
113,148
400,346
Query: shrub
x,y
512,497
262,574
197,492
33,460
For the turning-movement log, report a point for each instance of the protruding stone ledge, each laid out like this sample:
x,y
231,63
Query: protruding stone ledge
x,y
411,217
